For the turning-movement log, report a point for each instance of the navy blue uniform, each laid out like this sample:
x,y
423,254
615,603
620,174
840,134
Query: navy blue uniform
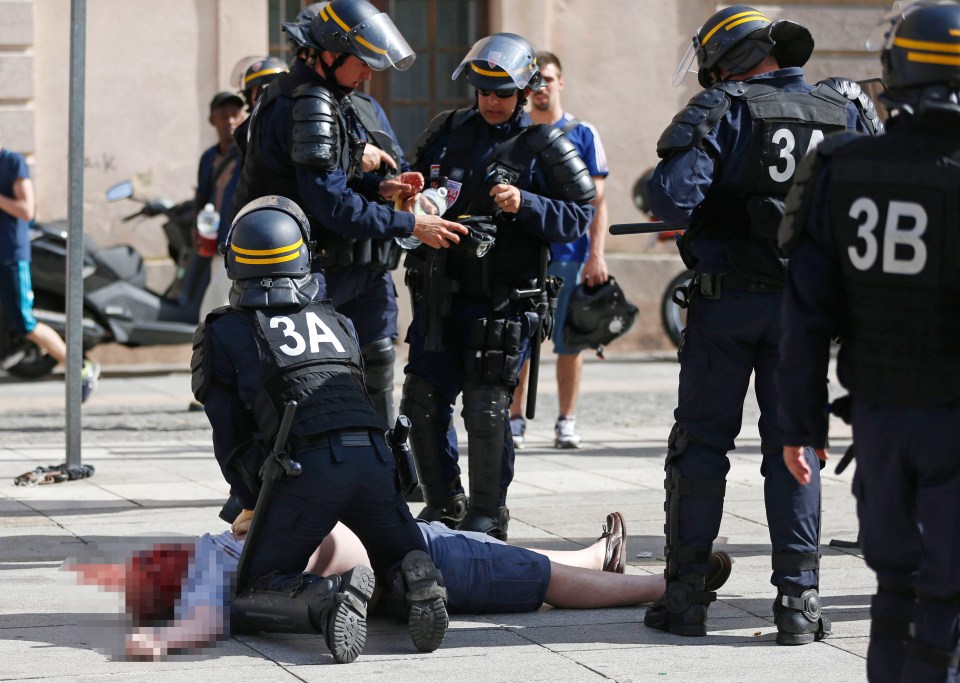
x,y
876,262
348,471
458,157
736,334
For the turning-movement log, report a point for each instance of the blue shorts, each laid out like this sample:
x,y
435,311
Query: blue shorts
x,y
484,575
16,296
570,271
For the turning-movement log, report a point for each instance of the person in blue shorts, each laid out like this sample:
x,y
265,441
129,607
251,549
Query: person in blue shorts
x,y
17,209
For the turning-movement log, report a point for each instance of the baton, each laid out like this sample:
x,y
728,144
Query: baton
x,y
276,465
642,228
537,338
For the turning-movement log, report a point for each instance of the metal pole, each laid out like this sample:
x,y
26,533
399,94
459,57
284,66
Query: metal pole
x,y
78,30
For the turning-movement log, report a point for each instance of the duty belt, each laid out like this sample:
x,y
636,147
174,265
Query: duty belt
x,y
349,438
710,285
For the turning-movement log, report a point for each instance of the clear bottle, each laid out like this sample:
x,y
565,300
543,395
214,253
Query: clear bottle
x,y
208,225
431,202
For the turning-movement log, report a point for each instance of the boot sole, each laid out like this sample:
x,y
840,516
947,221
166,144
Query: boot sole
x,y
795,638
688,630
428,618
346,632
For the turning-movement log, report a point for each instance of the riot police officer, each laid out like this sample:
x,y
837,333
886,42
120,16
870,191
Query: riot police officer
x,y
727,160
276,343
303,145
471,322
872,237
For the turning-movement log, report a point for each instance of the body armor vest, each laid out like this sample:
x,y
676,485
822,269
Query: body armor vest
x,y
895,215
746,213
309,355
367,118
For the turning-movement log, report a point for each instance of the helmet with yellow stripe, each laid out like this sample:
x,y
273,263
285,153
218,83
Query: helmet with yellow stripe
x,y
499,62
923,48
268,238
251,74
355,27
738,38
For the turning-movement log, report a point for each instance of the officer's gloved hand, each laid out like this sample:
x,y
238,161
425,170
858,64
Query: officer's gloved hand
x,y
241,525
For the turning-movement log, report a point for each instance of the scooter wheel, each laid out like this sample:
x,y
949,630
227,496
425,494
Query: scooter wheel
x,y
34,363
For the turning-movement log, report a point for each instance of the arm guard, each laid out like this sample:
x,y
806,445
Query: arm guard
x,y
853,92
316,129
565,172
691,125
799,200
200,363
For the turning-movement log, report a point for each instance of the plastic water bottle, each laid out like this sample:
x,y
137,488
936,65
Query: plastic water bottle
x,y
208,225
432,202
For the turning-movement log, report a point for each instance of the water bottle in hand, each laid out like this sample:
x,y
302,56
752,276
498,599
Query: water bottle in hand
x,y
208,225
431,202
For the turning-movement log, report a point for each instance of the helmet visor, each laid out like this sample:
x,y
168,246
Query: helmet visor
x,y
881,36
486,56
238,75
378,42
688,63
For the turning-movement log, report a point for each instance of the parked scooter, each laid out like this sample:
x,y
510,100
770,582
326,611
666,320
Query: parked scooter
x,y
117,305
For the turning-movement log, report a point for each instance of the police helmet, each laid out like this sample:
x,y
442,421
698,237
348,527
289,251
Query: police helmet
x,y
737,38
921,56
357,28
597,315
500,61
256,72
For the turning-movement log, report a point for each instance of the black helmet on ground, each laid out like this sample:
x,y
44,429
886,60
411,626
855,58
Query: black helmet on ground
x,y
739,37
267,255
597,316
921,58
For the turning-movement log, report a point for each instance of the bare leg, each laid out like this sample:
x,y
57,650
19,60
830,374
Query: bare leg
x,y
340,550
574,587
520,393
47,339
590,557
569,367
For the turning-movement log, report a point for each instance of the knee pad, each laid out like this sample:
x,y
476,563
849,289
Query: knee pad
x,y
484,410
378,360
421,403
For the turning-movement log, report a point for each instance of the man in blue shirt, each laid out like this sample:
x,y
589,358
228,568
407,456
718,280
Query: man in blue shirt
x,y
16,290
582,258
727,161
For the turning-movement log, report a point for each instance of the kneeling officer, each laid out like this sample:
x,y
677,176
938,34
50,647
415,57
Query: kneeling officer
x,y
272,345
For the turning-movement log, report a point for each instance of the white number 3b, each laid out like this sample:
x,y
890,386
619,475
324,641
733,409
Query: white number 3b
x,y
866,212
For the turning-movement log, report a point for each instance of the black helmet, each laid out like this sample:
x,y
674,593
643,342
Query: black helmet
x,y
921,56
256,72
267,255
737,38
357,28
597,316
503,60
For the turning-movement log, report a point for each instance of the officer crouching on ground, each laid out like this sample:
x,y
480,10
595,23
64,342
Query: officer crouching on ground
x,y
276,343
471,331
874,248
727,162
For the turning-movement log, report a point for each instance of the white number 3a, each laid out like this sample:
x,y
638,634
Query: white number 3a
x,y
317,331
865,211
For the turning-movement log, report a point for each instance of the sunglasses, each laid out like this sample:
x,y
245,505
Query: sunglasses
x,y
502,93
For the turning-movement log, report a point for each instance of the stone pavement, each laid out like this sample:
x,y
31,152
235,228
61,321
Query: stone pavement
x,y
155,474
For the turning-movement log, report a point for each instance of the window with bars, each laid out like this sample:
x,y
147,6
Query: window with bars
x,y
439,31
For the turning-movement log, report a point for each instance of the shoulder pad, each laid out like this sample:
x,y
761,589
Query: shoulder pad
x,y
564,170
852,91
694,121
800,197
200,360
445,120
316,128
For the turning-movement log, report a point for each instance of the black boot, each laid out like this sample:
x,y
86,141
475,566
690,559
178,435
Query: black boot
x,y
491,524
450,510
415,594
335,606
682,609
796,612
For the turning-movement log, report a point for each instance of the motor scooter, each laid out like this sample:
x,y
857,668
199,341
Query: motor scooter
x,y
117,304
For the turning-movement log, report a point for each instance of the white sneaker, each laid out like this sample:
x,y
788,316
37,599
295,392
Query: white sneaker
x,y
518,427
89,375
566,433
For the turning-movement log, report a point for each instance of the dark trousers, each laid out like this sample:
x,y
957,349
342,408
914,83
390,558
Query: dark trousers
x,y
351,484
368,297
727,340
907,486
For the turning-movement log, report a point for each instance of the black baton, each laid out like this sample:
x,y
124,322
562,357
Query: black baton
x,y
537,337
642,228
